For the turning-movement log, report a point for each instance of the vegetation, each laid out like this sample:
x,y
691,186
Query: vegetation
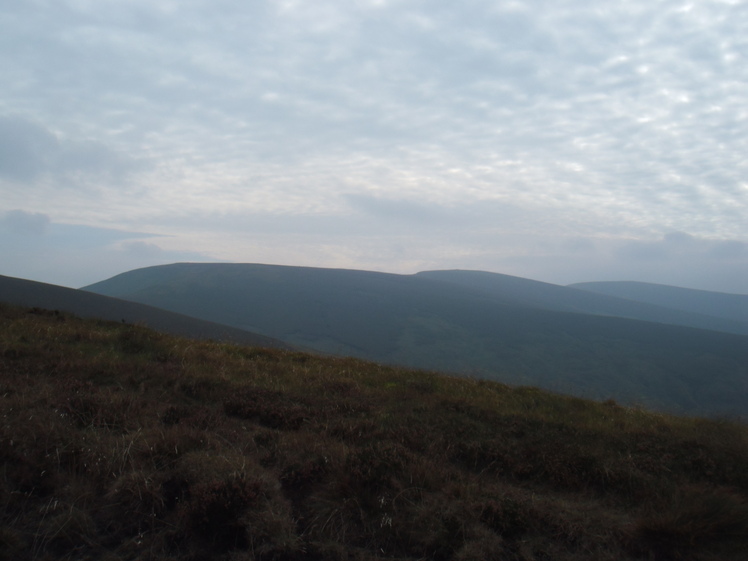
x,y
120,443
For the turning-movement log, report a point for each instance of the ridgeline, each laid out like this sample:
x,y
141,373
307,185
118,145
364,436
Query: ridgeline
x,y
486,325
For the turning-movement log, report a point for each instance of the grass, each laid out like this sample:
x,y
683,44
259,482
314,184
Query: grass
x,y
120,443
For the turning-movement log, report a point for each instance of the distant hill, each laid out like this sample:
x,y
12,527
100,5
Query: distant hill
x,y
667,304
21,292
496,327
716,304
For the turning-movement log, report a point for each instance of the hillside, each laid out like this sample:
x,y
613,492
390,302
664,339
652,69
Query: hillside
x,y
21,292
517,331
717,304
671,305
120,443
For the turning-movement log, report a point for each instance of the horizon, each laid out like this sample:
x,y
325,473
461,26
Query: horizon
x,y
570,285
558,142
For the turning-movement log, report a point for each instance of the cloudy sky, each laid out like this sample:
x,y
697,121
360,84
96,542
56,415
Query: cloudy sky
x,y
560,140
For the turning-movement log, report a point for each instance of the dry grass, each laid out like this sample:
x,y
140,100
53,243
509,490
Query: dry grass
x,y
120,443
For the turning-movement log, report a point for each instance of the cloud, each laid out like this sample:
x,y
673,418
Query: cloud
x,y
399,209
676,258
729,250
486,133
26,149
142,250
682,246
23,223
29,151
33,247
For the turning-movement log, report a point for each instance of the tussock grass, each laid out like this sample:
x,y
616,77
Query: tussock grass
x,y
118,443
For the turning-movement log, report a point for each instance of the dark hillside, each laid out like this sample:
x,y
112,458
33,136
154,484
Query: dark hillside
x,y
22,292
422,322
119,443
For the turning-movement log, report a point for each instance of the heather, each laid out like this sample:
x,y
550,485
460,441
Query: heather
x,y
122,443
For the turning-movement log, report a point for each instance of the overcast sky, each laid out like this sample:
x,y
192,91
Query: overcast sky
x,y
560,140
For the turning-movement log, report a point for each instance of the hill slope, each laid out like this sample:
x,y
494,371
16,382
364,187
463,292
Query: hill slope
x,y
429,323
120,443
23,292
647,302
717,304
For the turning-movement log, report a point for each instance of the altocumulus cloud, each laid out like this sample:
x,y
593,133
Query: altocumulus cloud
x,y
561,139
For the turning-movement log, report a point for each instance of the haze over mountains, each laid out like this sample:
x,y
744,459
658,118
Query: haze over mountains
x,y
663,354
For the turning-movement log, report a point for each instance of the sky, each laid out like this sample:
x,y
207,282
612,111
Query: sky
x,y
563,141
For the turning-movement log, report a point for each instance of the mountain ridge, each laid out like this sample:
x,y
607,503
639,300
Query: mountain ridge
x,y
424,322
578,300
719,304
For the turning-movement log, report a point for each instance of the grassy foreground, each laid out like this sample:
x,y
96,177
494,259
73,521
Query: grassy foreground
x,y
117,443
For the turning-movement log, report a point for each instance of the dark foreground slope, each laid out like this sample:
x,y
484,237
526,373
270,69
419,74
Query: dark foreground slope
x,y
511,334
23,292
119,443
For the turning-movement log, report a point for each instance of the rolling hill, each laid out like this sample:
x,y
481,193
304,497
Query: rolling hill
x,y
642,301
732,307
489,326
21,292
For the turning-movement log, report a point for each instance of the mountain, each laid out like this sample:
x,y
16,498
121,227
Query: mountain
x,y
119,443
21,292
515,331
676,306
715,304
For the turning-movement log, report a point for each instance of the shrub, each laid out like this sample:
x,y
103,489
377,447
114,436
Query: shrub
x,y
698,519
119,443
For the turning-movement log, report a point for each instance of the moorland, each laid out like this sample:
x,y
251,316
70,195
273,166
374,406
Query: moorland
x,y
118,442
